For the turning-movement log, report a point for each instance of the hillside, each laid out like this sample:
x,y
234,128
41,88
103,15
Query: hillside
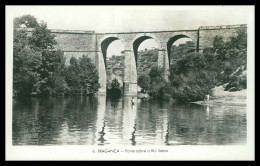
x,y
115,69
233,93
146,60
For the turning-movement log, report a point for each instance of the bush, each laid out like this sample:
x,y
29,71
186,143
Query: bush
x,y
159,87
115,84
161,90
114,91
193,76
144,82
238,81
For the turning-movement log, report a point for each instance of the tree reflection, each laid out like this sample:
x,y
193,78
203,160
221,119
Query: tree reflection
x,y
133,135
129,120
100,122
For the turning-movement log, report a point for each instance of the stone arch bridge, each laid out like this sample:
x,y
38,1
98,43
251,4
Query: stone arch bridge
x,y
94,45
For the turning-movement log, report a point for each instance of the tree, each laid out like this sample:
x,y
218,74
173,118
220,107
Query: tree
x,y
238,42
144,82
42,38
156,74
25,74
218,42
158,84
26,61
193,76
82,76
27,20
231,54
88,76
72,76
37,69
52,73
20,40
181,50
115,84
52,61
115,90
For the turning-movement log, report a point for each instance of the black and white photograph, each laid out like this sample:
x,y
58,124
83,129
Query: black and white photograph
x,y
130,82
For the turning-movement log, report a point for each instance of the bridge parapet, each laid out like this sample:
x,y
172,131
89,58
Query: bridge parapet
x,y
60,31
222,27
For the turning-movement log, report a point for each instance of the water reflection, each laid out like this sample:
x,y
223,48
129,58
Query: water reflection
x,y
102,121
129,128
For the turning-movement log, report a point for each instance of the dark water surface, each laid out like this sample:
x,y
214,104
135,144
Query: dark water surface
x,y
101,121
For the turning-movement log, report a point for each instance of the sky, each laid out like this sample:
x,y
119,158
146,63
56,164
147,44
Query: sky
x,y
132,18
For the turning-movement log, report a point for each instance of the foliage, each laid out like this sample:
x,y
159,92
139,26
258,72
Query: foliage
x,y
115,84
27,20
158,85
157,90
238,42
38,69
193,76
89,75
52,61
72,76
144,82
231,54
20,40
238,80
182,49
52,73
113,88
108,84
26,61
42,38
25,74
82,76
156,74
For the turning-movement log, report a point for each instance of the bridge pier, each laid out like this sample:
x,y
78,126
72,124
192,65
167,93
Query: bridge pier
x,y
163,62
130,74
99,60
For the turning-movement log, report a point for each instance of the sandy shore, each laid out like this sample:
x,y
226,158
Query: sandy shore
x,y
221,97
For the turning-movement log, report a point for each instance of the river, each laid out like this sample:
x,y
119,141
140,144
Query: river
x,y
103,121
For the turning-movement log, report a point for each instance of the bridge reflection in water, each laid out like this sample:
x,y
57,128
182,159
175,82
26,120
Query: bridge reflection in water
x,y
106,121
118,122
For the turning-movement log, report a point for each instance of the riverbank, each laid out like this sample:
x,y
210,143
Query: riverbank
x,y
225,98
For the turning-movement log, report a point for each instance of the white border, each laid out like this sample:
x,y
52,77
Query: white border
x,y
246,152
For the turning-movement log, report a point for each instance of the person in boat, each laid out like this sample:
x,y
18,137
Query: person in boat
x,y
207,98
133,100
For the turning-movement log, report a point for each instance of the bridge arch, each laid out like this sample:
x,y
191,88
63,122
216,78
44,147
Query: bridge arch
x,y
103,44
173,40
139,39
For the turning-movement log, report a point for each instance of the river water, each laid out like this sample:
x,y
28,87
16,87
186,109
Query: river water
x,y
103,121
